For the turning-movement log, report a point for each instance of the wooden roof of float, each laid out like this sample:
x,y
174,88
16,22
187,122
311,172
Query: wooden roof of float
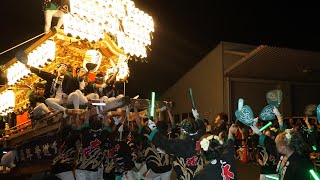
x,y
69,50
72,51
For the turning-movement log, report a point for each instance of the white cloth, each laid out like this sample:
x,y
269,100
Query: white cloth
x,y
156,176
86,175
130,175
40,110
92,96
76,98
68,175
276,111
143,169
152,125
55,103
60,94
195,113
255,129
8,159
48,15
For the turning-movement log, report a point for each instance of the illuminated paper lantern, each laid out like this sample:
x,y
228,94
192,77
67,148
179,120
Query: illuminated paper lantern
x,y
16,72
90,19
7,102
42,55
92,57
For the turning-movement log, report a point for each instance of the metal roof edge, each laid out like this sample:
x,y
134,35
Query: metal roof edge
x,y
244,59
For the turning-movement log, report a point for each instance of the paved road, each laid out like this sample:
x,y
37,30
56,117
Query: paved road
x,y
247,171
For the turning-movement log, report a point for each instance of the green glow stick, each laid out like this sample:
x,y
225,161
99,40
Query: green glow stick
x,y
271,177
314,175
314,148
240,104
192,99
153,96
266,126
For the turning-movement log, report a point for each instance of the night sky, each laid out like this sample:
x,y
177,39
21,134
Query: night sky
x,y
185,31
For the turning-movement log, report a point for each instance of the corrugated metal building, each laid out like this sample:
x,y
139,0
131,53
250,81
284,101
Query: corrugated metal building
x,y
232,71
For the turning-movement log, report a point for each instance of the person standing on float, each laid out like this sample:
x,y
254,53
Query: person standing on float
x,y
51,8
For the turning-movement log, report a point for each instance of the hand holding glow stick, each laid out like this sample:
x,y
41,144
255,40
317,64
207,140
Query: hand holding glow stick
x,y
266,126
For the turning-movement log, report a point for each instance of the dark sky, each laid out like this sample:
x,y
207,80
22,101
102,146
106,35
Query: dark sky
x,y
185,32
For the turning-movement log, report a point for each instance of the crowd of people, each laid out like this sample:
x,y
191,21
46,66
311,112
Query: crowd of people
x,y
134,146
100,146
287,150
126,146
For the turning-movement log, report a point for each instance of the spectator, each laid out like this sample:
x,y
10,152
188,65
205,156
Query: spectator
x,y
208,127
220,123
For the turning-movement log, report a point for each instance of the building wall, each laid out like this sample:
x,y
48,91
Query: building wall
x,y
215,93
252,92
303,95
296,96
206,81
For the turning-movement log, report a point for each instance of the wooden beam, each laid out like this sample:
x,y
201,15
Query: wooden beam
x,y
30,133
32,47
144,103
41,40
124,101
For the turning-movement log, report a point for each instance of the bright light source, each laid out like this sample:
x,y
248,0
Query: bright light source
x,y
153,96
94,57
16,72
240,104
314,148
119,18
314,175
99,104
271,177
266,126
42,55
7,102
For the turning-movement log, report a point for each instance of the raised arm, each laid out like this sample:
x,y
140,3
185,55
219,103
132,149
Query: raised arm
x,y
230,142
136,115
177,147
42,74
306,120
282,125
171,118
265,140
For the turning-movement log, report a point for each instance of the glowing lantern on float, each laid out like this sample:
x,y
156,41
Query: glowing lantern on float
x,y
92,60
123,71
16,72
42,55
90,19
7,102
